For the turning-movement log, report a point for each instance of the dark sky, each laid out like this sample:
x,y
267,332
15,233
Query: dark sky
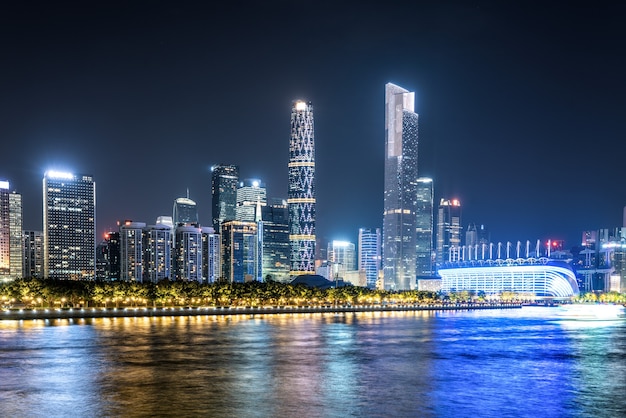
x,y
521,105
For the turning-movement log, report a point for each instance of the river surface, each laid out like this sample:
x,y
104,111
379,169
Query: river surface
x,y
494,363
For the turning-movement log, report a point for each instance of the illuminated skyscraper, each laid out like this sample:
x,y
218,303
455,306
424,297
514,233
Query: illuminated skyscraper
x,y
276,241
342,255
424,227
185,211
448,228
69,221
211,255
157,253
224,180
250,193
369,254
301,194
188,253
400,208
239,251
131,251
5,232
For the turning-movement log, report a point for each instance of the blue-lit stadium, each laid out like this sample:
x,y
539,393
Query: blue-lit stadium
x,y
538,278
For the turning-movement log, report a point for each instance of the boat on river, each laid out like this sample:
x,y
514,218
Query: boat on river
x,y
592,311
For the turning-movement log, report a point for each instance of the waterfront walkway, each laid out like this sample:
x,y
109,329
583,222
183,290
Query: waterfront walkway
x,y
42,313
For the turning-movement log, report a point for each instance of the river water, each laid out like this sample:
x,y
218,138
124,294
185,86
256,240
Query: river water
x,y
493,363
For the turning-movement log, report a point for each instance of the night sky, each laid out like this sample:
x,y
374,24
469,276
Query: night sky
x,y
521,106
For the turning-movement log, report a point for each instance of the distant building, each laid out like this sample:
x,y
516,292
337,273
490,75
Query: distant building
x,y
131,251
448,228
342,256
185,212
11,248
157,250
211,255
424,227
399,216
250,194
188,253
108,257
33,254
275,257
239,247
369,257
69,221
224,181
301,194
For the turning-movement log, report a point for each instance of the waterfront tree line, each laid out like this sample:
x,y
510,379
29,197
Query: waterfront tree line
x,y
48,293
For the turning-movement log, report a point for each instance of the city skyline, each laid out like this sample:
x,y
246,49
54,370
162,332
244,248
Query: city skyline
x,y
520,107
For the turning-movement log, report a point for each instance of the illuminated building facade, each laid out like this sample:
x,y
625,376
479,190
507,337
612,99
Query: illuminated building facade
x,y
69,221
157,253
250,194
342,256
448,228
531,278
400,208
185,212
301,194
369,255
424,228
239,247
11,247
224,181
275,257
131,251
211,255
5,232
33,254
188,253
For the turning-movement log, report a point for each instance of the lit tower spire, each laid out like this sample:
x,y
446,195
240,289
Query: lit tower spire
x,y
301,195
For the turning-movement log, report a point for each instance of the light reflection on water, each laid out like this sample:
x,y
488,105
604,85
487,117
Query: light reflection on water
x,y
520,362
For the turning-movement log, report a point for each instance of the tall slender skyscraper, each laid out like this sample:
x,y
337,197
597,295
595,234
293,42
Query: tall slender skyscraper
x,y
224,180
69,222
369,254
424,227
131,251
5,232
301,194
250,193
400,207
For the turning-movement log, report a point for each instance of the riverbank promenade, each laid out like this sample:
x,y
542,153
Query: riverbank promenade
x,y
30,314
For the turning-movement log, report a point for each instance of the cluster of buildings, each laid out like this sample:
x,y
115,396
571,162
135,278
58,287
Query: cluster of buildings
x,y
253,237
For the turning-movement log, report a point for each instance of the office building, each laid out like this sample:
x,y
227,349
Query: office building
x,y
185,211
239,251
131,251
69,221
224,181
301,193
276,250
342,257
369,255
400,205
108,257
424,228
211,255
250,194
448,228
33,254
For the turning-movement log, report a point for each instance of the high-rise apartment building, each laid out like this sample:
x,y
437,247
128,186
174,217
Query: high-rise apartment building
x,y
188,253
15,230
108,257
301,193
224,181
276,241
400,208
211,255
157,253
448,228
239,251
5,232
33,254
131,251
369,254
69,221
424,227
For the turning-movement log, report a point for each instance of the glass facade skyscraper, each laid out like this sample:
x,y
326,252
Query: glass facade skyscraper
x,y
5,232
400,205
250,194
424,227
224,181
369,254
69,221
185,212
276,241
448,228
301,194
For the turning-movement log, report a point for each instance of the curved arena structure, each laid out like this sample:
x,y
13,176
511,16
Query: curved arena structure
x,y
543,278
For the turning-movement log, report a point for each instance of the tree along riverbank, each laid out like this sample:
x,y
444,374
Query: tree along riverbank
x,y
70,313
